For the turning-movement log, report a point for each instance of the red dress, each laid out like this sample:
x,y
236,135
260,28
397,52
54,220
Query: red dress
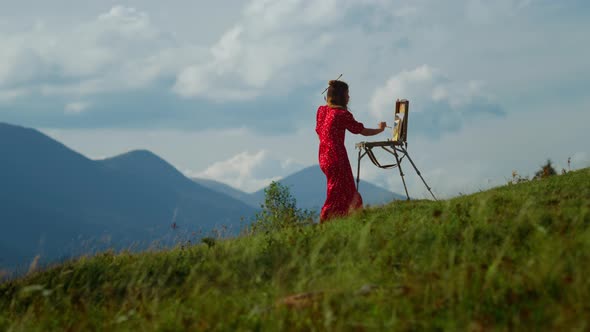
x,y
342,196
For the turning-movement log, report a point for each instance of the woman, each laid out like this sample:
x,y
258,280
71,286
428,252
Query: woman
x,y
332,121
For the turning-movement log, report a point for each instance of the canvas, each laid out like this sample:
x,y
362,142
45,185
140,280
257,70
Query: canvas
x,y
400,126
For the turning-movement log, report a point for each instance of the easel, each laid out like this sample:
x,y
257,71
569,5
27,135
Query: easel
x,y
397,146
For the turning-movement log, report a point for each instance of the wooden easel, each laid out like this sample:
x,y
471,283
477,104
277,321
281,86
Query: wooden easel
x,y
397,146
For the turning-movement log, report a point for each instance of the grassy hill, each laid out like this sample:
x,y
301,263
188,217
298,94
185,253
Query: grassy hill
x,y
515,257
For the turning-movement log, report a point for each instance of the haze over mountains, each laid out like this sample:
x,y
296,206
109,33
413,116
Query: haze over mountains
x,y
55,202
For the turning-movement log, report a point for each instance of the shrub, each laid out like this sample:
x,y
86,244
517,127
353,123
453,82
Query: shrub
x,y
546,170
279,211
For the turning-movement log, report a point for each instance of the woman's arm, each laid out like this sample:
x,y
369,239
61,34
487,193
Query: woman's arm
x,y
373,132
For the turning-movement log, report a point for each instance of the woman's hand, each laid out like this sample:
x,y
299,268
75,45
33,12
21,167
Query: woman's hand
x,y
373,132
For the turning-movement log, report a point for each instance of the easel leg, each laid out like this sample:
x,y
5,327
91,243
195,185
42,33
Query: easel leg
x,y
358,170
417,171
401,173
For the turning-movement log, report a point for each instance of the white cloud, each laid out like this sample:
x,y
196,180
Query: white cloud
x,y
119,50
486,12
18,61
83,87
410,85
269,42
76,107
273,47
9,95
128,22
422,86
405,11
248,171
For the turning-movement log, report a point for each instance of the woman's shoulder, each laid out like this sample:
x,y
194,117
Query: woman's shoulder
x,y
341,111
336,111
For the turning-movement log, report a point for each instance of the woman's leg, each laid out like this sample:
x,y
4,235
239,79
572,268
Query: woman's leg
x,y
333,207
357,201
341,194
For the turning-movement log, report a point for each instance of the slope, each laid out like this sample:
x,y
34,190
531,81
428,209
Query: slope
x,y
511,258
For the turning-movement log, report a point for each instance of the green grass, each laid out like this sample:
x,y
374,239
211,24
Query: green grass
x,y
511,258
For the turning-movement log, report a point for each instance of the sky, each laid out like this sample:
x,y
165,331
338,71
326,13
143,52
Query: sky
x,y
228,90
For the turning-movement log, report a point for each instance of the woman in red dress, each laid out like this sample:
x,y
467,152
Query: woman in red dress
x,y
332,121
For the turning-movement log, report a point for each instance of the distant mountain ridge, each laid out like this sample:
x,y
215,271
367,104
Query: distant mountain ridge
x,y
221,187
308,187
153,168
53,199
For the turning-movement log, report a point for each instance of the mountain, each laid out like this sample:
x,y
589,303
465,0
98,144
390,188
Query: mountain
x,y
56,202
186,201
149,167
308,187
229,190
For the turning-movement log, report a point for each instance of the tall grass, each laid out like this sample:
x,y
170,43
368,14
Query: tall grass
x,y
515,257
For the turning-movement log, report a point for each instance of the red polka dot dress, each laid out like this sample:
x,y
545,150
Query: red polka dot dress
x,y
342,196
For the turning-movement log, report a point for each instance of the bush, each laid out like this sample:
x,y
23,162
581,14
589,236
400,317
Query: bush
x,y
546,171
280,211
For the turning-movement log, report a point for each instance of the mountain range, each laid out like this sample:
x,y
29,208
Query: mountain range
x,y
308,187
56,203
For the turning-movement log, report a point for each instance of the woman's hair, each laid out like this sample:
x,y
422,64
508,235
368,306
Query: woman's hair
x,y
337,92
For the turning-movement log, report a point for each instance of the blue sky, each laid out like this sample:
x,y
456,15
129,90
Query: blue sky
x,y
228,90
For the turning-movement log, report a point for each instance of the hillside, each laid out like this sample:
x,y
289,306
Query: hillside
x,y
511,258
55,202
